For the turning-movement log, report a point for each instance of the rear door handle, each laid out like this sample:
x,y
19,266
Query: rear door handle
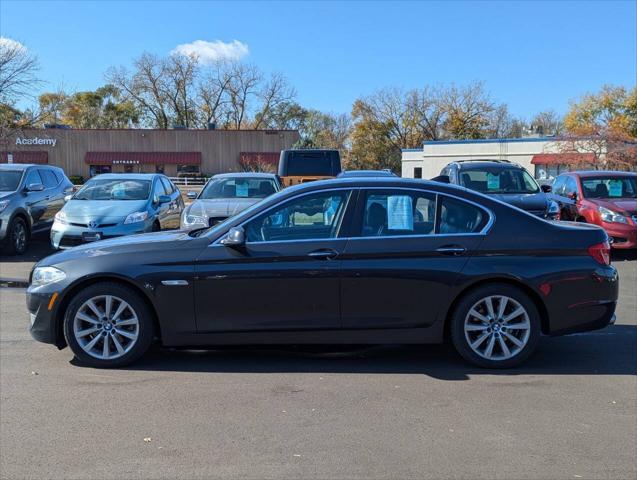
x,y
451,250
323,254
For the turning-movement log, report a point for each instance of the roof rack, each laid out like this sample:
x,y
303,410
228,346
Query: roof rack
x,y
497,160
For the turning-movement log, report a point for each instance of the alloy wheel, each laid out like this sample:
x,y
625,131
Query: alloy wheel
x,y
19,237
106,327
497,327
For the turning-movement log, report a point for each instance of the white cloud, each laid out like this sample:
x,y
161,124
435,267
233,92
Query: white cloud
x,y
10,44
210,52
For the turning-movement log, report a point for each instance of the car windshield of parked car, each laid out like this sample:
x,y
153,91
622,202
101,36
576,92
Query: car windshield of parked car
x,y
10,180
610,187
499,180
114,189
245,187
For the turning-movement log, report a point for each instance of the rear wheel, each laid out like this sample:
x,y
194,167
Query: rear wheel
x,y
107,325
495,326
17,237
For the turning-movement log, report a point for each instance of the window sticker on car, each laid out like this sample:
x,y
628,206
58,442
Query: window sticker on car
x,y
493,181
400,213
615,188
242,189
330,212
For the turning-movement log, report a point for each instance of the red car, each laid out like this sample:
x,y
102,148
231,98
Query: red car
x,y
607,199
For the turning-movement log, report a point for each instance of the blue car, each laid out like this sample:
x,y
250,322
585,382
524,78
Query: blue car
x,y
114,205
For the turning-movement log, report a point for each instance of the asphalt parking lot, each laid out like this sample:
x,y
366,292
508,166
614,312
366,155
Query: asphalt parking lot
x,y
391,412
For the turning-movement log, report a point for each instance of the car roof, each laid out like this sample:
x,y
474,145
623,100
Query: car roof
x,y
600,173
381,181
474,164
245,175
18,166
128,176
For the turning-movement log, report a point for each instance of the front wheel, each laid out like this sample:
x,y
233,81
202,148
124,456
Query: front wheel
x,y
18,236
107,325
495,326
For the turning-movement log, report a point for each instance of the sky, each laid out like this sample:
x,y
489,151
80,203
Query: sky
x,y
531,55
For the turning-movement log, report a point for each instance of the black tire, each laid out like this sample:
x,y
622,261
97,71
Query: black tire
x,y
468,301
17,237
145,321
156,226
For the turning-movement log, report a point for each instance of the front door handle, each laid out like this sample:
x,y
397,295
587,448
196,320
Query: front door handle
x,y
323,254
451,250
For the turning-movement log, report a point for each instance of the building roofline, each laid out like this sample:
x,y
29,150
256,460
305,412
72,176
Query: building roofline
x,y
151,130
492,140
411,149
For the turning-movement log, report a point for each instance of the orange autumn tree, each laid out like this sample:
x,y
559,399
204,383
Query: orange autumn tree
x,y
605,124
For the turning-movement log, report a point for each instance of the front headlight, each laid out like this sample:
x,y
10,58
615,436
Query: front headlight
x,y
194,217
46,275
3,204
609,216
136,217
553,207
61,217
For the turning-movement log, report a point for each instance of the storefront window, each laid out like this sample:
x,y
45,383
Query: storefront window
x,y
159,169
98,169
186,169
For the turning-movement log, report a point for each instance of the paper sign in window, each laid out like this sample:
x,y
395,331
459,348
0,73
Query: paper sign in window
x,y
493,182
400,213
242,189
615,188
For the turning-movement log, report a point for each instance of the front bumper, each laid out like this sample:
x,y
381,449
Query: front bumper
x,y
42,325
623,235
67,235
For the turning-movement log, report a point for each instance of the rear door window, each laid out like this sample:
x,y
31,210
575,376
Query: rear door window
x,y
458,217
50,181
398,212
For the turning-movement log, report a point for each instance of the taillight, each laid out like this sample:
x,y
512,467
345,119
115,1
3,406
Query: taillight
x,y
600,252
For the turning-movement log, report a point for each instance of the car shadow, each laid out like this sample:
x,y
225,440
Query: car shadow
x,y
611,351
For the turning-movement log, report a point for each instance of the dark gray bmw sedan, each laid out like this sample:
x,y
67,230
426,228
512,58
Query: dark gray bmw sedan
x,y
352,260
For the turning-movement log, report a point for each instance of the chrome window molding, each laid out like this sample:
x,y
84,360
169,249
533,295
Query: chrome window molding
x,y
484,231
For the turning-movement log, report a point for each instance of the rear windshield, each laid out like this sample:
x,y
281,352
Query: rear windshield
x,y
114,189
10,180
238,188
499,180
610,187
310,163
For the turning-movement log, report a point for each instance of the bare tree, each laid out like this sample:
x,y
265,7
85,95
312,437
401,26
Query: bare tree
x,y
242,87
467,111
145,87
273,94
181,72
547,122
213,93
18,71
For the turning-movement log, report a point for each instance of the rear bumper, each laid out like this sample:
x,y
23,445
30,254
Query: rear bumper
x,y
591,317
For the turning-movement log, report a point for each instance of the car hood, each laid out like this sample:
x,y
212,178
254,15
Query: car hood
x,y
525,201
222,207
84,211
145,242
622,205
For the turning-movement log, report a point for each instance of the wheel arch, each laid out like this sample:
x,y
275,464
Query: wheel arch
x,y
87,282
514,282
24,215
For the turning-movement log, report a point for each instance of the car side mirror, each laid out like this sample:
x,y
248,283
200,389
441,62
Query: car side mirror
x,y
236,237
67,198
163,199
191,195
546,188
35,187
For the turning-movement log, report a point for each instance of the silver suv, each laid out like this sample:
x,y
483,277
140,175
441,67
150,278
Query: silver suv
x,y
30,196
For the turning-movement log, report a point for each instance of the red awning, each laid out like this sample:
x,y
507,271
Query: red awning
x,y
25,157
563,158
155,158
271,158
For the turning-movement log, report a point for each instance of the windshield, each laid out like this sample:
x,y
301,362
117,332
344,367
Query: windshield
x,y
499,180
114,189
244,187
610,187
10,180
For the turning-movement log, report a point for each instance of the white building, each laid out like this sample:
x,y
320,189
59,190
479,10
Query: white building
x,y
539,155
